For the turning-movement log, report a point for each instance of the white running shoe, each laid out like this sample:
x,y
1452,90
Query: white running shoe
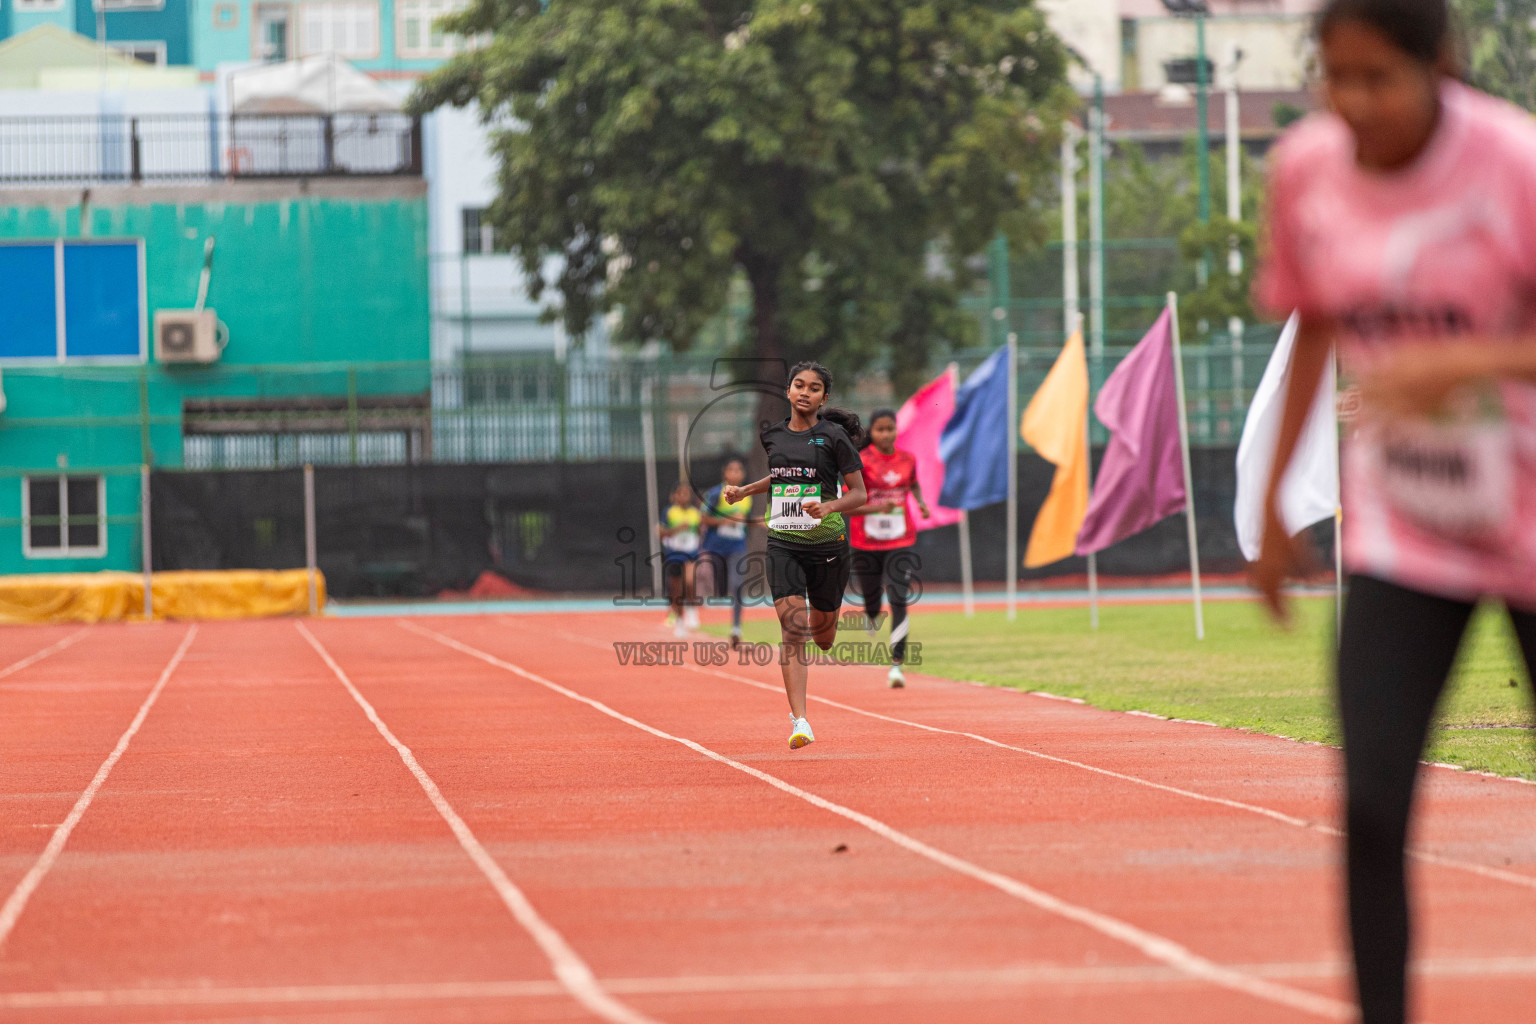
x,y
691,618
680,630
801,735
895,678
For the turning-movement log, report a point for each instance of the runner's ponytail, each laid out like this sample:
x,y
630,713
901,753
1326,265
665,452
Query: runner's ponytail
x,y
849,421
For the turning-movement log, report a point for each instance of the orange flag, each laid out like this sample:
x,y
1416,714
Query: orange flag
x,y
1055,425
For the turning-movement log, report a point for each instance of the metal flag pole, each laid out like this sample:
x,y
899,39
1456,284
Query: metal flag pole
x,y
144,525
1013,475
1072,317
1093,557
967,584
310,547
652,498
1189,482
680,428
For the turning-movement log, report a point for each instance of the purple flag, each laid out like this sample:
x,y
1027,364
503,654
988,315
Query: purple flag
x,y
1141,479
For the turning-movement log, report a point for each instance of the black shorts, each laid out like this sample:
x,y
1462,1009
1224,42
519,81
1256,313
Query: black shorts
x,y
818,572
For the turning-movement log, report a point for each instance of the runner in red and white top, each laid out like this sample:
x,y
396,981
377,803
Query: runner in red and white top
x,y
882,531
1402,227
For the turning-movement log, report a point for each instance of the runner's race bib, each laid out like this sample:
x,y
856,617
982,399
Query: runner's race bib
x,y
732,531
685,542
1453,476
785,507
886,525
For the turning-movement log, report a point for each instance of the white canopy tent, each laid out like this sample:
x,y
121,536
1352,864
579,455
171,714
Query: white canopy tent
x,y
321,84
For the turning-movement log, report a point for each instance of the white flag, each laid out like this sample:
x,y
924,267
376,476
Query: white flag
x,y
1310,491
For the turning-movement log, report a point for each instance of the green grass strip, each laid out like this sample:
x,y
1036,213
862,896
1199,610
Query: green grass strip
x,y
1246,674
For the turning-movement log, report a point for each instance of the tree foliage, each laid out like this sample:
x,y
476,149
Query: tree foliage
x,y
821,148
1160,199
1500,47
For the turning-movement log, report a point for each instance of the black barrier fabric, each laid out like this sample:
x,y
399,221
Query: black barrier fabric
x,y
414,531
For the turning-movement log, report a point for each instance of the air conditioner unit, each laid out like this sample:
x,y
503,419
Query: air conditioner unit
x,y
187,336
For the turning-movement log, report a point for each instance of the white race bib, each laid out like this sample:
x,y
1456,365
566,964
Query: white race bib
x,y
1455,479
886,525
784,507
685,542
731,531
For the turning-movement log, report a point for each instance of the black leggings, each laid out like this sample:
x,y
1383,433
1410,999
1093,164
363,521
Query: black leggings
x,y
1395,652
874,569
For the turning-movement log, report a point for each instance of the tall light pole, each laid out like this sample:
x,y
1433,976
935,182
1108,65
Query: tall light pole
x,y
1235,214
1200,10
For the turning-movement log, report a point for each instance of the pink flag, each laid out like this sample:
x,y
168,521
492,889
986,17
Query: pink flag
x,y
919,422
1141,479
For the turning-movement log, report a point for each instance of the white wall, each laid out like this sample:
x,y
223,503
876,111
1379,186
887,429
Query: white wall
x,y
480,303
1092,28
1276,49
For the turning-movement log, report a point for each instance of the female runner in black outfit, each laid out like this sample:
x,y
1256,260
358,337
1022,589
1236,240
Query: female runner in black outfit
x,y
809,559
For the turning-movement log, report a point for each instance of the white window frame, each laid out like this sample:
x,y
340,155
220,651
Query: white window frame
x,y
157,45
308,47
264,14
28,6
64,550
128,5
412,10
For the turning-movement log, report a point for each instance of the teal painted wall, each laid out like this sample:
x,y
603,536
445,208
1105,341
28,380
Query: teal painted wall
x,y
168,23
20,21
311,283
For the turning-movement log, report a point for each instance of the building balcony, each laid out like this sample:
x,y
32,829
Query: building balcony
x,y
190,148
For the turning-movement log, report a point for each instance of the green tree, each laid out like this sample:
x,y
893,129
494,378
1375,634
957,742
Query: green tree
x,y
822,150
1500,45
1158,199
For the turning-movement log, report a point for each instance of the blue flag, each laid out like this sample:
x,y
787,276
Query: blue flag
x,y
974,445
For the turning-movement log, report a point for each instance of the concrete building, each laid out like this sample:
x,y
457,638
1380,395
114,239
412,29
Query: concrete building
x,y
1092,29
387,38
1273,35
154,32
319,288
479,298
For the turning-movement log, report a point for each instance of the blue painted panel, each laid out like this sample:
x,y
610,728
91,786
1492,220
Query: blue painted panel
x,y
101,299
28,314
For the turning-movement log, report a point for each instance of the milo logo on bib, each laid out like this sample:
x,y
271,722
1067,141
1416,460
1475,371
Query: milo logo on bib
x,y
786,507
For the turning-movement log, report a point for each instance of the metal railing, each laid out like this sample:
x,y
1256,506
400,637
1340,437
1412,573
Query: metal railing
x,y
507,409
191,147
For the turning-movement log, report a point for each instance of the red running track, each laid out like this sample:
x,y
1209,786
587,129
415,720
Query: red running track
x,y
491,819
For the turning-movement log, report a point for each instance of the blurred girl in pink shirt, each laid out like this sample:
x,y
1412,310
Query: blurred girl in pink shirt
x,y
1402,226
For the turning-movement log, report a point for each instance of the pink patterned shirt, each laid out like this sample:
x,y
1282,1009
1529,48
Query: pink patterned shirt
x,y
1441,249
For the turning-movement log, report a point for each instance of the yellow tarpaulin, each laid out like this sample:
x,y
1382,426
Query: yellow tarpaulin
x,y
118,596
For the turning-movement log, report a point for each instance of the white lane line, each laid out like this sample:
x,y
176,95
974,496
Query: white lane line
x,y
54,648
17,901
1471,867
572,972
1151,945
708,984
